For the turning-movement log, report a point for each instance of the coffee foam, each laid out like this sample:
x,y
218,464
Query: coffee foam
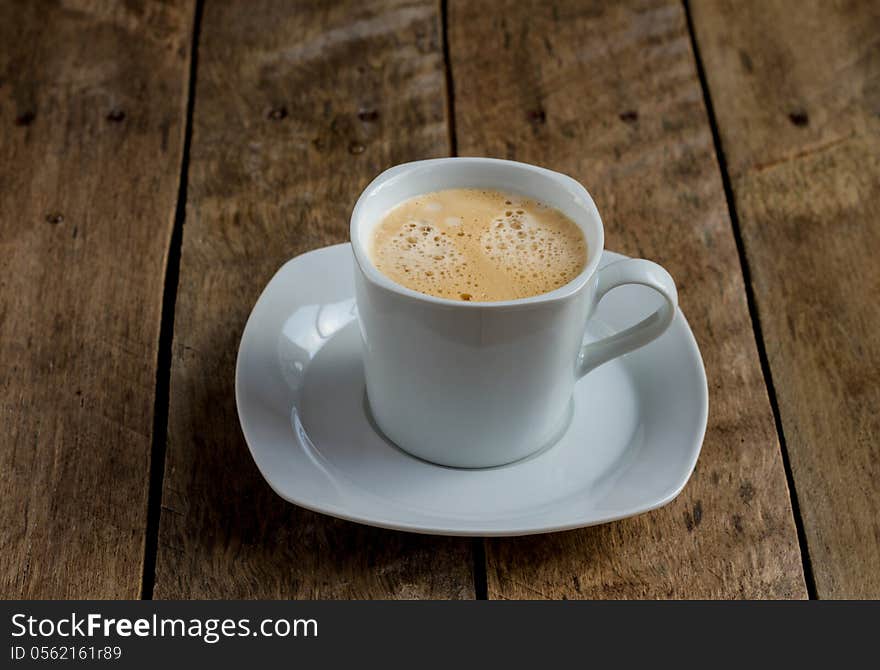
x,y
478,245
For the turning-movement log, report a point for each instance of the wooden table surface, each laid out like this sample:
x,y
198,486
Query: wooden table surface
x,y
159,161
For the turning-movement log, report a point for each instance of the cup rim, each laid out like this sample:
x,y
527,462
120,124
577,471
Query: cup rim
x,y
399,172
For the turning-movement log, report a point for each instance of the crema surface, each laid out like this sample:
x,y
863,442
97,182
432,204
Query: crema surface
x,y
478,245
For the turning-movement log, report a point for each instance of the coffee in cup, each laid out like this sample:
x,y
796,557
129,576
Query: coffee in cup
x,y
478,245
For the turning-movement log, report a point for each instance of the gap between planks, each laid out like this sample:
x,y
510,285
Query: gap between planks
x,y
752,305
166,333
450,89
478,547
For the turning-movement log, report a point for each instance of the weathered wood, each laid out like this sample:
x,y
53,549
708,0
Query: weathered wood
x,y
795,91
609,94
296,109
92,104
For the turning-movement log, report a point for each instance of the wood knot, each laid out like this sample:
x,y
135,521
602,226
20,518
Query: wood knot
x,y
693,518
629,116
116,115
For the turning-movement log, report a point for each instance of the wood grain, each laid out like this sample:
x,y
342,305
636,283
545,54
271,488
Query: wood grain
x,y
92,102
609,94
297,108
797,98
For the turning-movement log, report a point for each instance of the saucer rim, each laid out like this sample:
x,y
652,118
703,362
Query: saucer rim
x,y
344,513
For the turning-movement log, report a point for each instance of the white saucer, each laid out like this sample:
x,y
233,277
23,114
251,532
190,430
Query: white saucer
x,y
635,434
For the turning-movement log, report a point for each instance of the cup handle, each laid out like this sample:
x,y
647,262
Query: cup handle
x,y
630,271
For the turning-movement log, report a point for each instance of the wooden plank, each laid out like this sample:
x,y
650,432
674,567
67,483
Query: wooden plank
x,y
610,94
92,106
798,107
297,108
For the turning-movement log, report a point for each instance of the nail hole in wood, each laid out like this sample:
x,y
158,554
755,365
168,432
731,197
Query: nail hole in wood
x,y
25,119
799,118
537,116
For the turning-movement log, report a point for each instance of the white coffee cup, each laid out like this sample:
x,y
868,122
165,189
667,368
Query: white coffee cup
x,y
471,384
